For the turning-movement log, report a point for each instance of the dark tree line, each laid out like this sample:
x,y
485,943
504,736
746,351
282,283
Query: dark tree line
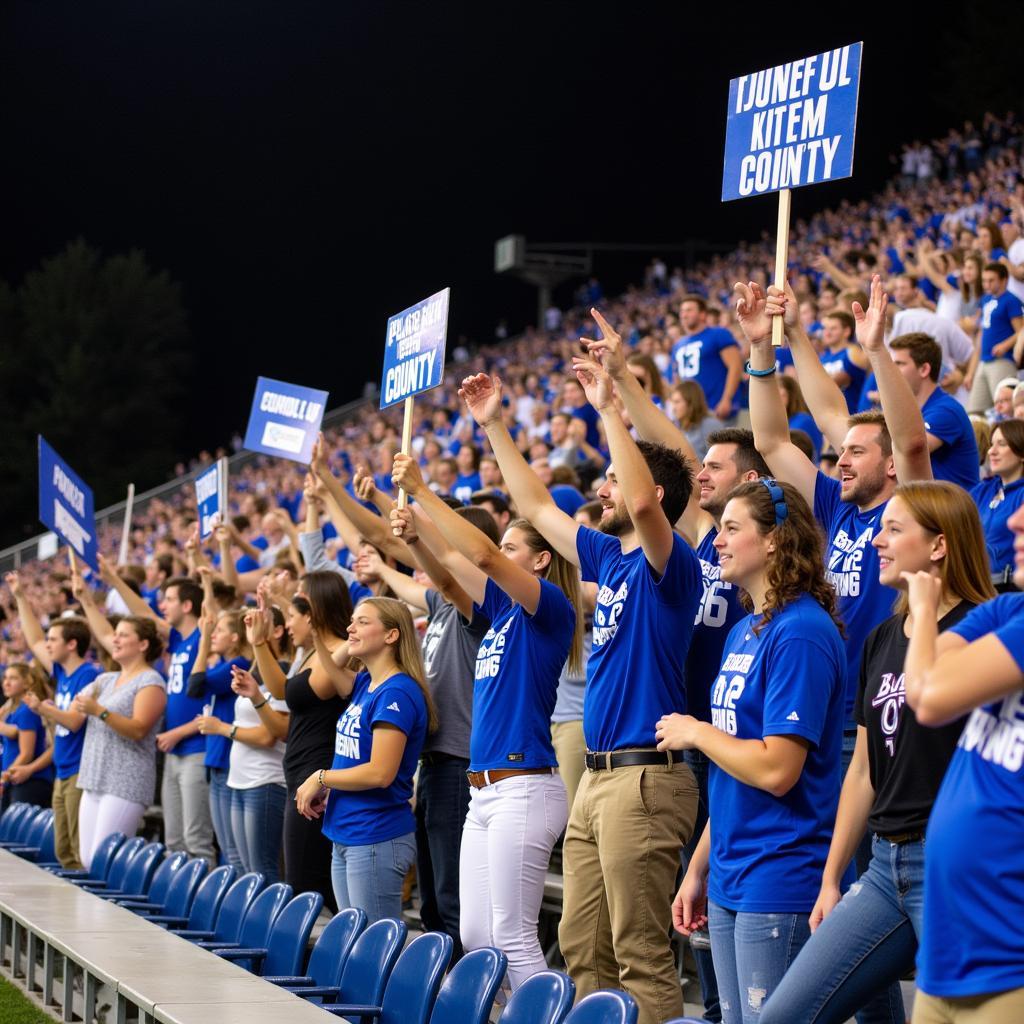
x,y
94,355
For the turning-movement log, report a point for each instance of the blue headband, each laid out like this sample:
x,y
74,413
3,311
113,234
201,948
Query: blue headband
x,y
778,499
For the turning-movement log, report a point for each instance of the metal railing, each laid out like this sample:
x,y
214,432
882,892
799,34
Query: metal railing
x,y
43,545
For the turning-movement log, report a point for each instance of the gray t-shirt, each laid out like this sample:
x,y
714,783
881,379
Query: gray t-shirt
x,y
111,763
569,698
450,647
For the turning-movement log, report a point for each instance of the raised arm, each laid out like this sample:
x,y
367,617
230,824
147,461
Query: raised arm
x,y
334,666
381,536
405,587
137,604
767,412
650,422
631,472
99,625
521,586
899,406
482,395
258,623
30,625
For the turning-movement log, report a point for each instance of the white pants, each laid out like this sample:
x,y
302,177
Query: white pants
x,y
100,814
506,848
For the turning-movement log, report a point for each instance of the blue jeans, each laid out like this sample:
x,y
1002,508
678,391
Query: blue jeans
x,y
698,763
370,877
861,949
257,820
442,800
220,812
752,952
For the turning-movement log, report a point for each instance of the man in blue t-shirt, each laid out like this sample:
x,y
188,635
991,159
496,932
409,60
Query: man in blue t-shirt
x,y
710,356
184,792
951,440
1002,317
61,653
635,807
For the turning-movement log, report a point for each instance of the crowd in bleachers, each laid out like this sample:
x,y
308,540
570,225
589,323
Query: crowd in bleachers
x,y
690,606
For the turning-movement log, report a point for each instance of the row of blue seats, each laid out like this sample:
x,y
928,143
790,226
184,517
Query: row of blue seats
x,y
353,971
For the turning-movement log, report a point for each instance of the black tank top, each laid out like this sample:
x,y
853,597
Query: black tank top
x,y
311,729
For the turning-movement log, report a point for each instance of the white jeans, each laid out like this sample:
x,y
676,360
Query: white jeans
x,y
506,848
100,814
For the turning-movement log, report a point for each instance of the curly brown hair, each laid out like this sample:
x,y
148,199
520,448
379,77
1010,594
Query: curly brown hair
x,y
797,565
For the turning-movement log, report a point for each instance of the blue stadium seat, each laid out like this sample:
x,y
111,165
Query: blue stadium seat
x,y
544,998
139,875
40,847
330,954
685,1020
158,884
180,893
259,918
412,988
232,912
29,830
607,1006
369,966
286,944
118,868
101,860
208,899
467,994
10,822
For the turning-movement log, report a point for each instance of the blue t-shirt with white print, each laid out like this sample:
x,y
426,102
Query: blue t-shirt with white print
x,y
67,745
768,852
643,626
974,872
516,679
181,708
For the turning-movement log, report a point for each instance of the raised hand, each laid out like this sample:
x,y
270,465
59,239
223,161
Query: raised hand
x,y
596,383
318,459
871,323
784,304
257,627
363,484
108,571
244,684
751,313
13,583
607,350
482,395
403,524
405,474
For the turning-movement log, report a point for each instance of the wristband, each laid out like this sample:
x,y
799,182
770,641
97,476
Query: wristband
x,y
751,372
320,778
234,730
256,707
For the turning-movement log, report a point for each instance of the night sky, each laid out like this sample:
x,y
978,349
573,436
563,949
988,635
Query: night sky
x,y
304,170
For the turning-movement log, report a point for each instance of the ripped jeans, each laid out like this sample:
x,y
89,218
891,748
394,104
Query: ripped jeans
x,y
752,952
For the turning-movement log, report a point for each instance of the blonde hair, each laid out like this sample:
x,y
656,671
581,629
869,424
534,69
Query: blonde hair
x,y
943,508
407,652
566,577
236,624
697,405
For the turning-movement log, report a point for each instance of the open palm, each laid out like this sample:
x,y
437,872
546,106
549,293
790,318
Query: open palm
x,y
482,395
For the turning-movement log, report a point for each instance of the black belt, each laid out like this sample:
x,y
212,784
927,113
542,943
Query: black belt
x,y
627,758
904,837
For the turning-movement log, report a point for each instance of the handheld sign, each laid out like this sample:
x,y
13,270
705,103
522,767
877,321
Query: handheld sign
x,y
285,419
208,504
66,505
790,126
414,359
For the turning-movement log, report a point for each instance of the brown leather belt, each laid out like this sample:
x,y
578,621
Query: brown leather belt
x,y
480,779
904,837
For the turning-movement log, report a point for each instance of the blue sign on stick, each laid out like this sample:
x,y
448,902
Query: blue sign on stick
x,y
792,125
208,489
66,505
414,350
285,419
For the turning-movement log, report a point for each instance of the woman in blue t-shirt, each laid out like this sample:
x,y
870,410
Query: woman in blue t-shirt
x,y
774,742
377,745
970,963
27,765
1000,496
518,806
865,941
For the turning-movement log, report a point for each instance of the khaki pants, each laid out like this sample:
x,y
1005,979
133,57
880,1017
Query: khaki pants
x,y
620,864
1001,1008
986,377
66,798
571,751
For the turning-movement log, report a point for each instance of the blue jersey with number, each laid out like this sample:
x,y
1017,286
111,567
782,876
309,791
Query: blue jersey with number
x,y
719,611
643,625
67,745
768,852
699,357
362,817
181,708
851,566
973,942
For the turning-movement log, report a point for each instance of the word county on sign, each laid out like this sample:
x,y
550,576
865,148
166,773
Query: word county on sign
x,y
792,125
414,350
285,419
